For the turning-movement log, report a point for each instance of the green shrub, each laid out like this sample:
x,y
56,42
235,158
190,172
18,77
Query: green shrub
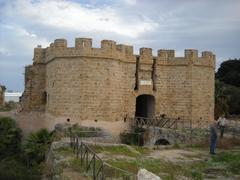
x,y
10,137
14,169
85,131
129,138
36,146
133,138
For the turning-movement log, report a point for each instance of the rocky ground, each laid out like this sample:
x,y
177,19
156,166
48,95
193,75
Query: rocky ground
x,y
167,162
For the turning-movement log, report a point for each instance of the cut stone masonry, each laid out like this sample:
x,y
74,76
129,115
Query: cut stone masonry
x,y
102,84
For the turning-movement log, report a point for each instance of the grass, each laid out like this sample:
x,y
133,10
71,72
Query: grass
x,y
230,159
116,150
142,150
156,166
75,164
224,164
86,131
65,151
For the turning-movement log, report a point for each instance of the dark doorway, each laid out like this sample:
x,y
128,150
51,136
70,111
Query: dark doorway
x,y
145,106
162,142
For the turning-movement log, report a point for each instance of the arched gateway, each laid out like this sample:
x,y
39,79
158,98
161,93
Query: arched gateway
x,y
145,106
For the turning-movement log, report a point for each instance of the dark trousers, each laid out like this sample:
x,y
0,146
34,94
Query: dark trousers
x,y
222,131
213,144
213,140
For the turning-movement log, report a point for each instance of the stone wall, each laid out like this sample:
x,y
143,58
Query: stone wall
x,y
185,85
89,89
101,84
2,91
34,96
203,90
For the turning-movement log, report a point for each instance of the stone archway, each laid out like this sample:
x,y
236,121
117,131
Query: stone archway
x,y
162,142
145,106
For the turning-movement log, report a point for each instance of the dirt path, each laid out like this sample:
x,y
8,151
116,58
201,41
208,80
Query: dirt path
x,y
178,155
70,174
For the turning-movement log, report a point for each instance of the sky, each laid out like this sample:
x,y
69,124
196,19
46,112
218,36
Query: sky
x,y
212,25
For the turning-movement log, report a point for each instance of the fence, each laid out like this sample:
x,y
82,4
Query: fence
x,y
94,165
143,122
195,130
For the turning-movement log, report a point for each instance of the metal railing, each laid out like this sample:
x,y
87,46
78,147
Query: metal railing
x,y
94,165
199,128
171,123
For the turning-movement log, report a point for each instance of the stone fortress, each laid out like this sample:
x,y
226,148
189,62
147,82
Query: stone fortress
x,y
107,86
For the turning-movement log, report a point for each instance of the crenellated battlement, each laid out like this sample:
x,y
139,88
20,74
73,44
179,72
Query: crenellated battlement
x,y
83,43
165,54
111,50
191,53
146,55
125,49
39,54
108,45
60,44
83,47
167,57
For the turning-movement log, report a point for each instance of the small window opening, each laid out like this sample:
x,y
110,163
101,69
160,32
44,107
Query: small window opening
x,y
44,97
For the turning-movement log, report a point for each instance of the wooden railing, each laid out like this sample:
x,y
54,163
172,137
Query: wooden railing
x,y
171,123
144,122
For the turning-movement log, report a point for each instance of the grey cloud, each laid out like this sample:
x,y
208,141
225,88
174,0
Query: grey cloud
x,y
205,25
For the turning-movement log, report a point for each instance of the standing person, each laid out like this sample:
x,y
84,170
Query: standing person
x,y
213,136
222,122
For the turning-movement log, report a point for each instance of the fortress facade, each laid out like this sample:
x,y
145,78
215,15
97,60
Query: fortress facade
x,y
111,83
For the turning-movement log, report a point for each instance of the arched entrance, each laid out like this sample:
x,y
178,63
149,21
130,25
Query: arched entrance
x,y
145,106
162,142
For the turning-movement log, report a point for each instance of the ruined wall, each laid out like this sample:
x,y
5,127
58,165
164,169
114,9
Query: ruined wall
x,y
34,97
2,91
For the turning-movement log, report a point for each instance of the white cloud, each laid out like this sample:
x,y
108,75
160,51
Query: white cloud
x,y
130,2
71,16
4,51
23,32
22,38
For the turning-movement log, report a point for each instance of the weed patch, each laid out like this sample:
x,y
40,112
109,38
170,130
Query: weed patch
x,y
115,150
